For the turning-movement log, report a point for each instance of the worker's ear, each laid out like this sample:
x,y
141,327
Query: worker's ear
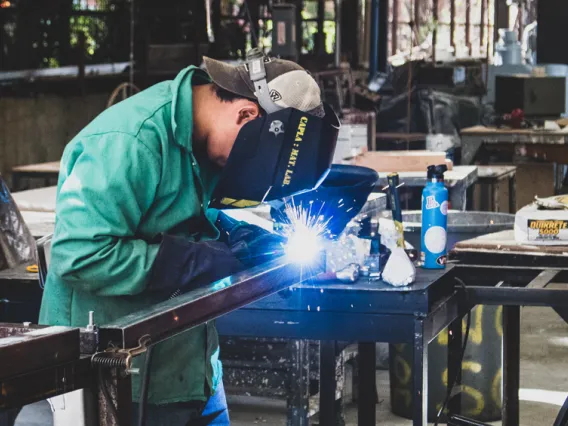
x,y
247,112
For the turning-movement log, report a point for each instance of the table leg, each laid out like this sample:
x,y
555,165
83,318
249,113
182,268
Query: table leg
x,y
512,194
511,364
454,370
458,197
367,398
299,385
15,181
420,371
118,387
328,384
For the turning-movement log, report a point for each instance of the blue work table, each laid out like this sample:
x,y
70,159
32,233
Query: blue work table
x,y
364,312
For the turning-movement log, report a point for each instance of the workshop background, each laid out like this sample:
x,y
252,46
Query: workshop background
x,y
478,85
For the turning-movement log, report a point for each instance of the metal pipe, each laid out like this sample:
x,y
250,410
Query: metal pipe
x,y
394,31
374,42
435,30
131,59
468,25
337,33
198,306
482,23
453,24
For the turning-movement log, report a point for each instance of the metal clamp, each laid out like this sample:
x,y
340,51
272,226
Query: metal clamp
x,y
121,358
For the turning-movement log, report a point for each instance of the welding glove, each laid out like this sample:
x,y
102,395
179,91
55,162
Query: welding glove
x,y
251,244
254,246
184,265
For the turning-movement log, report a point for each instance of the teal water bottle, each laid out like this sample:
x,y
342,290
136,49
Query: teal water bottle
x,y
434,219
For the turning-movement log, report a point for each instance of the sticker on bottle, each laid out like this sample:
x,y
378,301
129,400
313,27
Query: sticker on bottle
x,y
444,208
442,260
435,239
431,203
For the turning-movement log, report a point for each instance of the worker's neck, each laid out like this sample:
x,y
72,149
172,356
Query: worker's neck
x,y
204,104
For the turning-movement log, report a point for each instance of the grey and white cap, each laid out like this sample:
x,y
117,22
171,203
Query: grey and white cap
x,y
274,83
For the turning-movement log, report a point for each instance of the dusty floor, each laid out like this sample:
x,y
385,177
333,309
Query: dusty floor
x,y
544,382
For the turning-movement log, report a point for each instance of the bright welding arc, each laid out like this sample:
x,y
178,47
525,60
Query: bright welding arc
x,y
304,233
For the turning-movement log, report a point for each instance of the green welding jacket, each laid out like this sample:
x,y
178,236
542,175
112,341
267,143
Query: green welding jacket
x,y
129,176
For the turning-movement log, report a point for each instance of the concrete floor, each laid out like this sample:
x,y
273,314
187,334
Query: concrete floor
x,y
544,382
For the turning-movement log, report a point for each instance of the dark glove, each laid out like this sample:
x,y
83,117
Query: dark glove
x,y
184,265
253,245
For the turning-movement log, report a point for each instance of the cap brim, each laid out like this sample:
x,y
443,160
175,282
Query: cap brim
x,y
229,77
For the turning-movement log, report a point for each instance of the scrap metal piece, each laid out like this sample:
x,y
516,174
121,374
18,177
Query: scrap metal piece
x,y
172,317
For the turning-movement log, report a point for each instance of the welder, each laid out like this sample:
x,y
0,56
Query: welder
x,y
136,221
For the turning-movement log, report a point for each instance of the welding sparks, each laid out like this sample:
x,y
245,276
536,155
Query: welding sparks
x,y
304,232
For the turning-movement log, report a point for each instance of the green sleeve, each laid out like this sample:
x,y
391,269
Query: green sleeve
x,y
107,184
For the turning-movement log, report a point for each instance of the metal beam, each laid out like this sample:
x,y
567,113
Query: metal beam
x,y
516,296
544,278
198,306
24,349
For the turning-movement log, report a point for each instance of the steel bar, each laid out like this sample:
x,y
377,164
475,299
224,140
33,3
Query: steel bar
x,y
453,24
299,384
511,364
198,306
40,384
394,29
489,275
24,349
118,387
563,312
468,25
420,373
367,384
544,278
328,383
454,376
482,24
515,296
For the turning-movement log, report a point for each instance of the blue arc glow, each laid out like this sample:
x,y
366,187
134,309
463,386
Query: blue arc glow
x,y
304,232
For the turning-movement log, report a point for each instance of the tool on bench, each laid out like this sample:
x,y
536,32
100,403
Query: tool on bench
x,y
349,274
399,269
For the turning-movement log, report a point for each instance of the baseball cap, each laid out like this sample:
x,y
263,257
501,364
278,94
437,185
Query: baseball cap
x,y
290,85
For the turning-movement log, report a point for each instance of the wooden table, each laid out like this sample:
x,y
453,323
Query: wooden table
x,y
47,171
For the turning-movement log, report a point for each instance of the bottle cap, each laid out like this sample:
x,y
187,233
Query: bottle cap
x,y
437,172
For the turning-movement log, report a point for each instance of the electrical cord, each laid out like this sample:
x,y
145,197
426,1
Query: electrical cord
x,y
144,386
459,369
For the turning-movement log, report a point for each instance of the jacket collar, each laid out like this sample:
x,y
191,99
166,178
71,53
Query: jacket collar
x,y
182,104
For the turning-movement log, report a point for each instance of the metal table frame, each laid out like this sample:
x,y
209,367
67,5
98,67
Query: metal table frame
x,y
525,281
361,313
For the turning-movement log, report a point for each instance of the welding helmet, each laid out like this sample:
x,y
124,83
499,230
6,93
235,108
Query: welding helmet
x,y
285,151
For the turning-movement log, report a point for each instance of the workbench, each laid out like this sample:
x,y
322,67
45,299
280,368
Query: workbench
x,y
20,295
499,271
546,145
364,312
46,171
457,181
